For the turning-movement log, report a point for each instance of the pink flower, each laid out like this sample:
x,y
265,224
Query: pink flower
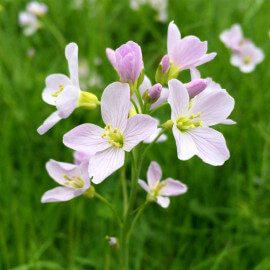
x,y
187,52
127,61
74,181
64,92
37,8
191,121
81,157
247,58
30,23
159,191
108,144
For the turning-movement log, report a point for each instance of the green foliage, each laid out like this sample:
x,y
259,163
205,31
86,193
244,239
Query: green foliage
x,y
221,223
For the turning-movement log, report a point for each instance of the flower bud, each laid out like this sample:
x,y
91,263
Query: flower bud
x,y
165,63
152,94
88,100
195,87
113,242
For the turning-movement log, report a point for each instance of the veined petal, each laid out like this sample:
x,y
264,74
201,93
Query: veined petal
x,y
195,74
60,194
150,139
71,52
163,201
86,138
67,101
111,56
211,145
178,99
154,174
115,103
139,127
53,83
173,38
144,185
173,188
57,169
214,107
162,99
185,145
105,163
49,123
204,59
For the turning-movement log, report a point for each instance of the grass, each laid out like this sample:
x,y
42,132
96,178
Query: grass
x,y
221,223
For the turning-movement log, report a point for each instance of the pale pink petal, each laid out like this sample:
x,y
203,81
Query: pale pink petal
x,y
71,52
86,138
49,123
80,157
236,60
150,139
214,107
173,38
57,169
144,185
115,103
173,188
60,194
105,163
186,147
53,83
163,201
154,174
211,145
204,59
111,56
139,127
162,99
67,101
228,122
247,68
178,99
146,84
232,37
195,87
194,74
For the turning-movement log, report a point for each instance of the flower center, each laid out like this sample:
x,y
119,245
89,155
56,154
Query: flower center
x,y
156,190
74,181
185,123
114,136
247,60
61,87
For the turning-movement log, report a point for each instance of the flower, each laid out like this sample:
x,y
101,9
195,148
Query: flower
x,y
64,92
187,52
30,23
108,144
247,58
159,191
36,8
191,121
127,61
195,87
74,181
233,37
152,94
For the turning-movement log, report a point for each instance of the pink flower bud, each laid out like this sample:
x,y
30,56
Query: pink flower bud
x,y
165,62
195,87
155,91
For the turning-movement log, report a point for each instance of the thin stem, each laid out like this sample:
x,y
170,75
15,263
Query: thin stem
x,y
140,210
124,188
138,95
101,198
158,107
135,105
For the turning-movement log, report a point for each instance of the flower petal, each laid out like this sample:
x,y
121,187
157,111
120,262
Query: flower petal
x,y
71,52
213,107
204,59
173,38
178,99
150,139
162,99
111,56
154,174
115,103
163,201
60,194
144,185
228,122
146,84
53,83
139,127
195,74
173,188
86,138
49,123
105,163
185,145
211,145
67,101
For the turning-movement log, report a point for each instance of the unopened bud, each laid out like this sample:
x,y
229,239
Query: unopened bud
x,y
88,100
165,63
195,87
152,94
113,242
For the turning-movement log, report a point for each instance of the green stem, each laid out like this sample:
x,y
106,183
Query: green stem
x,y
135,105
138,95
124,188
101,198
158,107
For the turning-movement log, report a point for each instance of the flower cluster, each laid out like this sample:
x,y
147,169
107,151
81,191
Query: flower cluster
x,y
127,109
245,53
29,19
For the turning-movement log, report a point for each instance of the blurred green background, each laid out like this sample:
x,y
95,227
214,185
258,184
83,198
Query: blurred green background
x,y
222,222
